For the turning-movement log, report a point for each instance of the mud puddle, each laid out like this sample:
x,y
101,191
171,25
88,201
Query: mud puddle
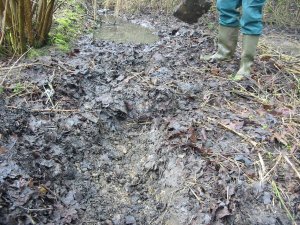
x,y
121,31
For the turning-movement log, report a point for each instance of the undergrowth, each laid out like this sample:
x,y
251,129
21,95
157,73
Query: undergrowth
x,y
283,13
140,5
67,25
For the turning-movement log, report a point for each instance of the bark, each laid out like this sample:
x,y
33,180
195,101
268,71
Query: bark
x,y
22,39
28,21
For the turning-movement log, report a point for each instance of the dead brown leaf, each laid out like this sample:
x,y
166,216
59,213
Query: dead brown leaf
x,y
280,138
2,150
215,71
192,134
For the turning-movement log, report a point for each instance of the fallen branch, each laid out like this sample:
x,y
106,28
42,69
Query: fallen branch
x,y
54,110
35,210
45,110
22,65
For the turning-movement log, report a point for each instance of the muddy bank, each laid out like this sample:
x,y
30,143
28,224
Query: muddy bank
x,y
140,134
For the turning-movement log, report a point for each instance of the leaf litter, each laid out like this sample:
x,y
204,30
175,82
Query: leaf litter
x,y
148,134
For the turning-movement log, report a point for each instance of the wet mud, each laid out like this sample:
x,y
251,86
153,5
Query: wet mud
x,y
135,138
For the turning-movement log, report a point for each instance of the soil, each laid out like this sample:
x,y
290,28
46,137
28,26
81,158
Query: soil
x,y
142,134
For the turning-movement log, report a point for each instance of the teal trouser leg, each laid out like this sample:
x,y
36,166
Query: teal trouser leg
x,y
229,13
251,19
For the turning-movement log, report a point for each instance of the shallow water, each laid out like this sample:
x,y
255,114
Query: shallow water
x,y
124,32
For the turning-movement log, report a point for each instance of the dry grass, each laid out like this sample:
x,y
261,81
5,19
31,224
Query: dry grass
x,y
140,5
285,13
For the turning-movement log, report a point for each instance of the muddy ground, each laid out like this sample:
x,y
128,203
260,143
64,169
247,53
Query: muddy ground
x,y
146,134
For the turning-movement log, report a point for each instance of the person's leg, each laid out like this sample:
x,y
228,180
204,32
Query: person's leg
x,y
229,15
251,27
228,29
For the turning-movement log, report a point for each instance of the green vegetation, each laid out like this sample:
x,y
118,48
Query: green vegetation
x,y
67,25
36,30
19,88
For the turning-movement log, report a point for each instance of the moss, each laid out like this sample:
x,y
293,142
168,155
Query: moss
x,y
67,25
36,52
19,88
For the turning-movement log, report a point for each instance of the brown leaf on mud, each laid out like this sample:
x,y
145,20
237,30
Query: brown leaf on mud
x,y
234,125
222,212
265,57
267,107
196,148
192,134
30,183
175,134
284,111
2,150
280,138
215,71
250,173
281,111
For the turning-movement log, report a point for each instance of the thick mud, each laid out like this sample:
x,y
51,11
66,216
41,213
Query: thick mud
x,y
138,137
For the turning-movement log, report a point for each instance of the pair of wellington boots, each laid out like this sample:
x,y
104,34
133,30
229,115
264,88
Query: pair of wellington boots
x,y
227,42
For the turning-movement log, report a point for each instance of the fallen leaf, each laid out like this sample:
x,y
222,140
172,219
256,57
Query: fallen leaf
x,y
42,190
265,57
215,71
283,112
192,135
280,138
222,212
234,125
2,150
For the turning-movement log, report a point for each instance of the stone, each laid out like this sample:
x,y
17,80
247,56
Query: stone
x,y
190,11
130,220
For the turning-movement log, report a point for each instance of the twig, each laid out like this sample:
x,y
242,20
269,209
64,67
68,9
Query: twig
x,y
45,110
54,194
35,210
23,65
196,196
273,168
14,65
246,138
263,167
31,219
292,165
54,110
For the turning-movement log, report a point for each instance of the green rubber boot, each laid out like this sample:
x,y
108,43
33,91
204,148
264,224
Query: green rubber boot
x,y
227,42
247,58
